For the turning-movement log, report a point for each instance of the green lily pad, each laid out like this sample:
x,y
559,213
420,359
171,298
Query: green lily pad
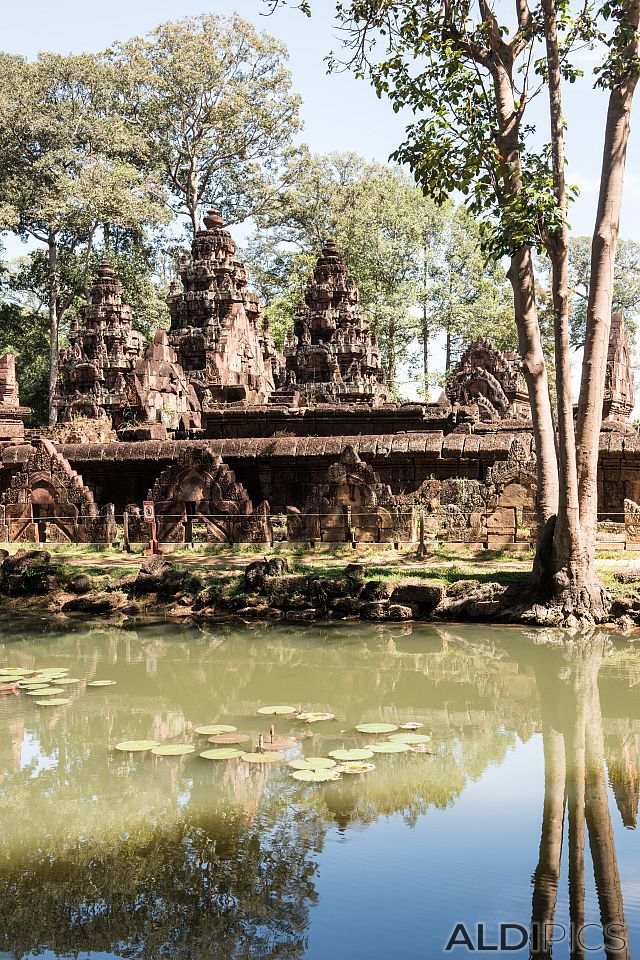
x,y
45,692
101,683
67,680
351,755
313,763
410,738
173,750
376,727
314,776
411,725
278,711
136,746
273,757
315,717
222,753
356,767
389,747
213,729
53,702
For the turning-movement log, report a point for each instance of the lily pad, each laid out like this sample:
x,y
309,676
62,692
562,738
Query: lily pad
x,y
4,688
315,717
136,746
67,680
222,753
376,727
229,738
410,738
278,711
313,763
351,755
53,702
173,749
411,725
314,776
213,729
102,683
45,692
389,747
356,767
274,757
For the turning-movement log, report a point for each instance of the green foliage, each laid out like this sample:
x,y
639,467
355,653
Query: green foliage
x,y
419,266
212,98
626,289
25,333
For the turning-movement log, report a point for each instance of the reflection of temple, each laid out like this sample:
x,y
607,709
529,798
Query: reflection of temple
x,y
331,354
215,322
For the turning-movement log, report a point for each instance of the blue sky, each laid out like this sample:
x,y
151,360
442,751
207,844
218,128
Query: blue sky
x,y
339,112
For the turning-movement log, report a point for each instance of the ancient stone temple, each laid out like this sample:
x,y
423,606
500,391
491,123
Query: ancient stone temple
x,y
620,382
488,385
227,353
104,349
11,413
165,396
331,354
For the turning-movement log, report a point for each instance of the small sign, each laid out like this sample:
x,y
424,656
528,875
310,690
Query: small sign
x,y
149,511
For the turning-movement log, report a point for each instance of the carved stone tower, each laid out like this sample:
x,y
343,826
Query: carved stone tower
x,y
620,383
215,323
103,350
331,354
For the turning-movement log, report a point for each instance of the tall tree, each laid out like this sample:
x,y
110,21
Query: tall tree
x,y
466,297
626,284
469,78
71,165
213,98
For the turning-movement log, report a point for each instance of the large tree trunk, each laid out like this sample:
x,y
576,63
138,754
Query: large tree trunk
x,y
425,354
547,873
603,253
571,579
601,839
52,245
522,278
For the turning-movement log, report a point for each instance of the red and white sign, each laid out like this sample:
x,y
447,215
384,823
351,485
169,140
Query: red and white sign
x,y
149,511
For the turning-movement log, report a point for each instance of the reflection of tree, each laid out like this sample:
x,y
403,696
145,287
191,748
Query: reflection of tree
x,y
186,859
575,774
221,888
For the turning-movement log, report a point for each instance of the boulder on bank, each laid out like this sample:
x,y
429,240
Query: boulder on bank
x,y
93,604
423,596
79,583
26,573
382,610
152,573
255,573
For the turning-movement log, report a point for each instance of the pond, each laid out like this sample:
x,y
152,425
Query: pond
x,y
517,814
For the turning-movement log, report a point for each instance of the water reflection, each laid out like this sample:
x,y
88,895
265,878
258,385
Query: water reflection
x,y
574,751
179,858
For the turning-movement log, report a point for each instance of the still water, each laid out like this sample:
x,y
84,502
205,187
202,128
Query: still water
x,y
524,809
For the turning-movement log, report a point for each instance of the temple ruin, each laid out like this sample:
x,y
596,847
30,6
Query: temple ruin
x,y
332,356
216,331
234,442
